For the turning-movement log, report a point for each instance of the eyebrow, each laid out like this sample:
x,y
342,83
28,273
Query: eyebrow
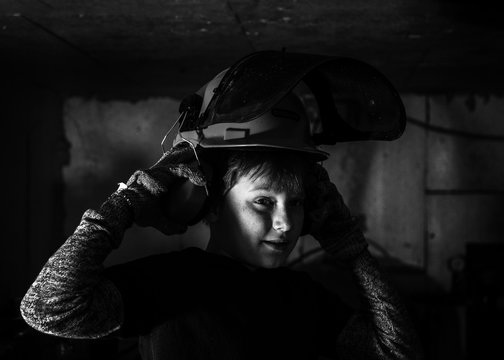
x,y
294,194
261,187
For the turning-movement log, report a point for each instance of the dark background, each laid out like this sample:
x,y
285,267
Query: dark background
x,y
88,89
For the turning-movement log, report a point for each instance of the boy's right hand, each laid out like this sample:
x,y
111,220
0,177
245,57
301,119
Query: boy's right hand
x,y
145,189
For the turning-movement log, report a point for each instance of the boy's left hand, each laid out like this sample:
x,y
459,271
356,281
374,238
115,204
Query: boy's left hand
x,y
328,219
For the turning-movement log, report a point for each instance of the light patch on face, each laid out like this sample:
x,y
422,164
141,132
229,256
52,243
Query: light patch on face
x,y
257,224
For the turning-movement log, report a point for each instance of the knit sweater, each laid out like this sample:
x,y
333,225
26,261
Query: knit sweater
x,y
75,297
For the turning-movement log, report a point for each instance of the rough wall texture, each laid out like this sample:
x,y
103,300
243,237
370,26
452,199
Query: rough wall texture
x,y
421,198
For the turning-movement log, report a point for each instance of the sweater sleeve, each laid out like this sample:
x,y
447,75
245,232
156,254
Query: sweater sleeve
x,y
70,297
381,328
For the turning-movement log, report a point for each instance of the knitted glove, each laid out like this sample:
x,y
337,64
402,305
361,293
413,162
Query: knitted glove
x,y
145,189
328,219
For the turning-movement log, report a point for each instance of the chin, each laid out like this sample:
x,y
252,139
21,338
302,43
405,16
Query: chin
x,y
271,263
265,259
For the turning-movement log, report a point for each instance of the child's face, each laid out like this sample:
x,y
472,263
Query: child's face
x,y
256,224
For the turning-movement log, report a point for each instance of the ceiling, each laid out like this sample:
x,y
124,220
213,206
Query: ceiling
x,y
171,46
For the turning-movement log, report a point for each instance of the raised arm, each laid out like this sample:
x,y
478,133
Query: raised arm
x,y
70,297
380,328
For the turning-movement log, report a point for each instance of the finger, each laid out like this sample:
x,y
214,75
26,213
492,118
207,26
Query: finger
x,y
181,153
155,181
193,173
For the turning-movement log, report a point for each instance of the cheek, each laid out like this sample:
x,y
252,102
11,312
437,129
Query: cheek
x,y
298,219
254,221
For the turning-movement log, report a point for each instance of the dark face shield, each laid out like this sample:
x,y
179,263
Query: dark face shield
x,y
347,100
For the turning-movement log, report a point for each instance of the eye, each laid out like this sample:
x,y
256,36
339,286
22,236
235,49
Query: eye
x,y
297,202
264,201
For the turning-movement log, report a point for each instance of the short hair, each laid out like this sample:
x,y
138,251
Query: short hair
x,y
283,170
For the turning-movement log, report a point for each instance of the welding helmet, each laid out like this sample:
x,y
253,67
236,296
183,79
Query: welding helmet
x,y
291,101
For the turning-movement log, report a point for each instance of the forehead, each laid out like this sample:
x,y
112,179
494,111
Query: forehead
x,y
290,184
250,182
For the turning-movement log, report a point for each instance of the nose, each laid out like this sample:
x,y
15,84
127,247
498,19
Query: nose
x,y
282,221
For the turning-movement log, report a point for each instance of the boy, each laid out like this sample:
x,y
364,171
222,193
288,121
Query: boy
x,y
235,300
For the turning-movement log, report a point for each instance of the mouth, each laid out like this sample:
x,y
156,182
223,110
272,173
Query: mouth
x,y
276,245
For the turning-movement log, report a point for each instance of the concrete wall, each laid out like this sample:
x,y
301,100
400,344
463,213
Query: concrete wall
x,y
465,178
421,198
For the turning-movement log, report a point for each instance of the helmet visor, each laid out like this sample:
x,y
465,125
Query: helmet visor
x,y
353,100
